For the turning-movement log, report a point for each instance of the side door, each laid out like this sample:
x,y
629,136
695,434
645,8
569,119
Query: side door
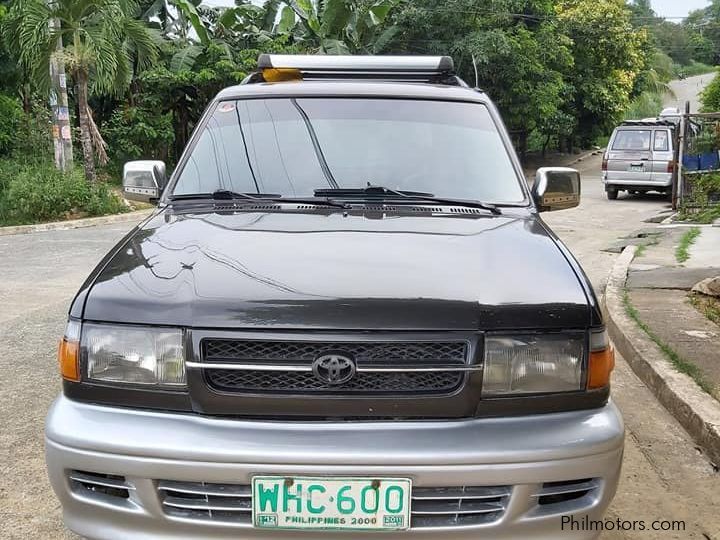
x,y
662,157
630,155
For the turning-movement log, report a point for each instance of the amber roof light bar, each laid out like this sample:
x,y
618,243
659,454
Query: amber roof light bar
x,y
427,69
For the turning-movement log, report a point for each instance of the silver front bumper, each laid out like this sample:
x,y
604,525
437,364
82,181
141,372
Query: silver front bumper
x,y
148,447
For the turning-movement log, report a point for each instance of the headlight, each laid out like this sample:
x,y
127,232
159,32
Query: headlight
x,y
533,364
134,355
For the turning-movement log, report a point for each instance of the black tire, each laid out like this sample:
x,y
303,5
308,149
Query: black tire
x,y
612,194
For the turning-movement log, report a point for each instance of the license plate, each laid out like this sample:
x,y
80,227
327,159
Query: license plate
x,y
637,168
301,502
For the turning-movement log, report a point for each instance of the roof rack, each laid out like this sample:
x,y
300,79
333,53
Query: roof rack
x,y
286,67
649,122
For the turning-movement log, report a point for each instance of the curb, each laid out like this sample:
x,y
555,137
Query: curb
x,y
530,173
138,215
696,411
583,157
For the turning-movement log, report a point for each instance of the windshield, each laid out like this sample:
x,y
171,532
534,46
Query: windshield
x,y
291,147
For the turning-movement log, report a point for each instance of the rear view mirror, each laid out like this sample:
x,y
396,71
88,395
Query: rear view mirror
x,y
143,180
556,188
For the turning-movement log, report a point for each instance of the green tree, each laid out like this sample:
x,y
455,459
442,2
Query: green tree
x,y
103,46
516,46
704,28
609,55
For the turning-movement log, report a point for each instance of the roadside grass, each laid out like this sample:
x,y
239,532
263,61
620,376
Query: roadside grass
x,y
682,365
682,252
694,68
641,248
707,305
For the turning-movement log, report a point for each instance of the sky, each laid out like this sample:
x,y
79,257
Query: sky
x,y
677,8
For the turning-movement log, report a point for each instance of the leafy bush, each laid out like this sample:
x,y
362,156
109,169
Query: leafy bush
x,y
10,116
34,135
710,97
138,133
646,105
31,193
703,204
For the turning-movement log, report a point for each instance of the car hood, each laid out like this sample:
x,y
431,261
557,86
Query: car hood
x,y
339,271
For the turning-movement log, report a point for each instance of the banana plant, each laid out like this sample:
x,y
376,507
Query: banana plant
x,y
339,26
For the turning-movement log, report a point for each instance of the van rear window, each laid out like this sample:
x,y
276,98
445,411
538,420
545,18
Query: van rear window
x,y
632,140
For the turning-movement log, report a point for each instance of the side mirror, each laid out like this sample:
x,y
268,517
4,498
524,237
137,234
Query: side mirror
x,y
556,188
143,180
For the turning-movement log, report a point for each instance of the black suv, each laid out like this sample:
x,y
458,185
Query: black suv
x,y
344,316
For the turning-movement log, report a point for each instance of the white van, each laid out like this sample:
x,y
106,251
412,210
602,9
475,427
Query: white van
x,y
640,158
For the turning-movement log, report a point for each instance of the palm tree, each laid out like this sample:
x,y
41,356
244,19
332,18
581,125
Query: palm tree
x,y
103,46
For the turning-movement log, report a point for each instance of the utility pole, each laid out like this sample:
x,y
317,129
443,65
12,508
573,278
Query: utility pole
x,y
62,133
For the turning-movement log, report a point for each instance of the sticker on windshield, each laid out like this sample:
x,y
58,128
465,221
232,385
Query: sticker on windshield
x,y
226,106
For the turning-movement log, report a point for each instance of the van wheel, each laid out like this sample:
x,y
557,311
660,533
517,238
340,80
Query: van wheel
x,y
612,194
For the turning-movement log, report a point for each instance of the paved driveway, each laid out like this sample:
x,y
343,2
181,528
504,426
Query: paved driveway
x,y
40,273
664,476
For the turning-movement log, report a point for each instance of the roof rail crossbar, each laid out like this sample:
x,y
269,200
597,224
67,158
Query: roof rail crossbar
x,y
435,69
653,122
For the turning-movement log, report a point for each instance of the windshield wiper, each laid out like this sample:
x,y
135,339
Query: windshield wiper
x,y
380,192
227,195
223,195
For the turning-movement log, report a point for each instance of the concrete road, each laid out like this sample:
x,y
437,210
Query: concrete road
x,y
664,478
688,90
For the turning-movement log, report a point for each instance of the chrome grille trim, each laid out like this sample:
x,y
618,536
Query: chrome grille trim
x,y
360,369
439,494
230,505
100,480
565,488
201,488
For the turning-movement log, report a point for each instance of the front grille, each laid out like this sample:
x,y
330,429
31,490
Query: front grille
x,y
431,507
289,351
294,382
458,506
285,367
200,500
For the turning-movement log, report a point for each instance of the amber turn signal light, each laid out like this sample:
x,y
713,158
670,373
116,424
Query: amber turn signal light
x,y
281,74
600,367
68,357
69,352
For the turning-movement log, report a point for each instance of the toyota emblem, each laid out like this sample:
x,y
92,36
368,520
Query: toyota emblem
x,y
334,369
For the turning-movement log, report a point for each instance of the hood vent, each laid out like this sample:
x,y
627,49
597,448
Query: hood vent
x,y
357,207
465,210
